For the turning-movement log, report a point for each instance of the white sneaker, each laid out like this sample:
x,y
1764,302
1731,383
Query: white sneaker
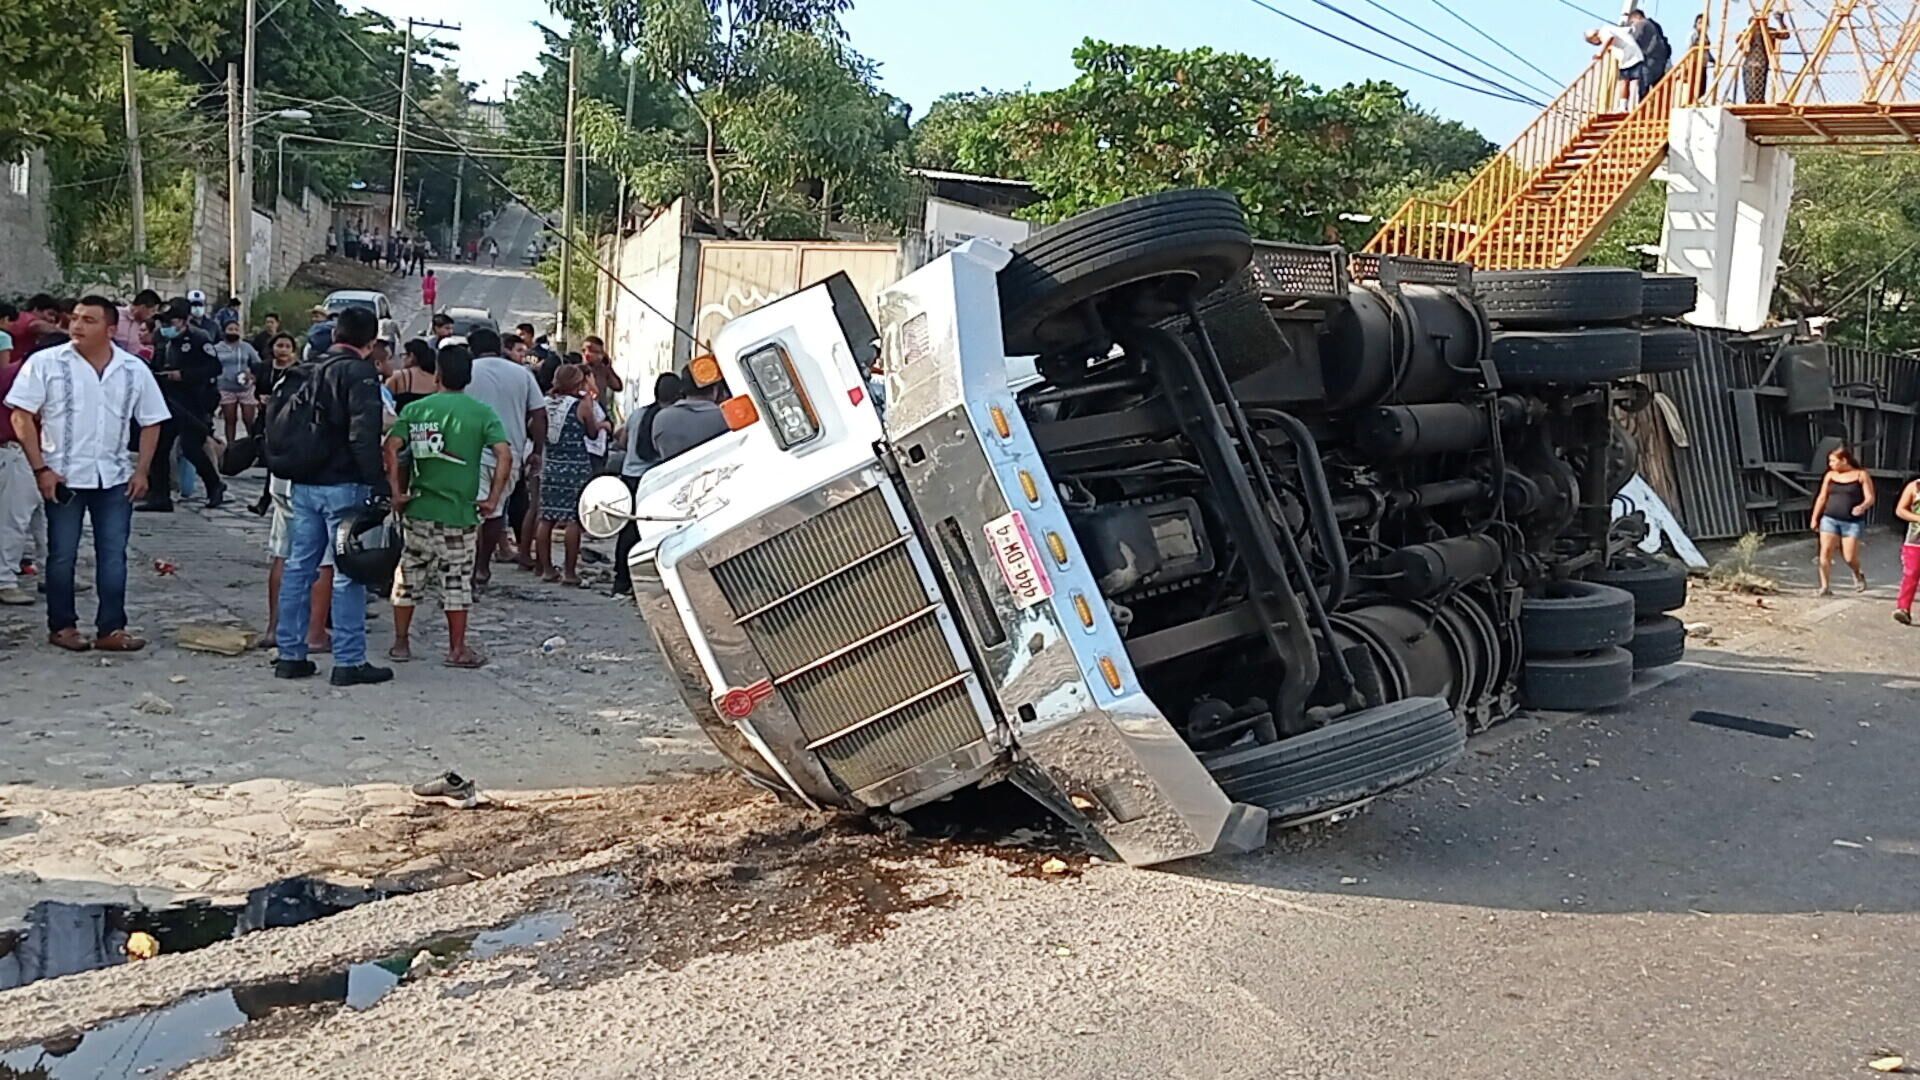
x,y
12,595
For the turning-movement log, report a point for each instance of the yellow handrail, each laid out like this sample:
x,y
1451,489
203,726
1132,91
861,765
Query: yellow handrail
x,y
1420,228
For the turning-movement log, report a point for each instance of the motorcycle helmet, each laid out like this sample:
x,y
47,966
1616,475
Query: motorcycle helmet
x,y
366,546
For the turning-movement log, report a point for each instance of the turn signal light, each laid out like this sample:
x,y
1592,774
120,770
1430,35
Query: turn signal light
x,y
1058,547
1111,671
1000,424
739,412
1083,609
705,370
1029,487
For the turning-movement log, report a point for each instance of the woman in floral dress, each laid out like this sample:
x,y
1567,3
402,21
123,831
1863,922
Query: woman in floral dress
x,y
572,419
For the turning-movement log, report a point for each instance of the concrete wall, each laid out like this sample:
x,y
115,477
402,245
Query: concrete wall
x,y
657,263
26,262
1727,203
299,234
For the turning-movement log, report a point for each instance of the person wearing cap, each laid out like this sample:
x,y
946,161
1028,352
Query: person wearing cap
x,y
319,332
692,420
187,368
197,308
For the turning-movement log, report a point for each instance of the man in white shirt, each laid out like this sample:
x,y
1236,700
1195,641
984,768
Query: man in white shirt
x,y
73,405
513,392
1626,54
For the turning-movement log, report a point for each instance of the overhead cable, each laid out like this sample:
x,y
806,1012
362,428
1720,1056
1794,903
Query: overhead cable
x,y
1390,13
1435,57
1357,47
1498,44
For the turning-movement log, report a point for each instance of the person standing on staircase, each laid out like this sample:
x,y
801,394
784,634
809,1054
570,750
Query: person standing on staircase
x,y
1626,55
1654,46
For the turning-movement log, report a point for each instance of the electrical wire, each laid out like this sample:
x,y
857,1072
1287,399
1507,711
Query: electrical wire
x,y
1390,13
1436,58
1323,32
493,177
1604,20
1498,44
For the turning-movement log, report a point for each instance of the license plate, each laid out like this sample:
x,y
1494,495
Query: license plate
x,y
1019,560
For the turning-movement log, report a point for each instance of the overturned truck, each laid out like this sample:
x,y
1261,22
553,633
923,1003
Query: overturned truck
x,y
1181,533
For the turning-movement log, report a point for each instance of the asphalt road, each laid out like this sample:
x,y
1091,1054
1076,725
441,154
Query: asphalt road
x,y
1623,895
511,293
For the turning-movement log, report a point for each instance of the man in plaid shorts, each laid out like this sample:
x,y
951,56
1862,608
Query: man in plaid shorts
x,y
442,437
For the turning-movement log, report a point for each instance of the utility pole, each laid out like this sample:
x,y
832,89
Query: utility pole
x,y
134,168
245,178
620,198
238,229
400,131
453,226
566,200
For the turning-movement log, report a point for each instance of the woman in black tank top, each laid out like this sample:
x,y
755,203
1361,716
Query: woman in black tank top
x,y
416,380
1840,516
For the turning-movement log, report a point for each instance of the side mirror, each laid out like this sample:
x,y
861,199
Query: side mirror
x,y
605,506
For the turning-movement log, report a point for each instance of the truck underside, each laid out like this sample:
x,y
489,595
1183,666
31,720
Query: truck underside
x,y
1266,531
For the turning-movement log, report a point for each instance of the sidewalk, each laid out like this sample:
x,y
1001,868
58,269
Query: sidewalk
x,y
172,773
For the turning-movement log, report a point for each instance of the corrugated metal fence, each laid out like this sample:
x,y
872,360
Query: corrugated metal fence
x,y
1757,427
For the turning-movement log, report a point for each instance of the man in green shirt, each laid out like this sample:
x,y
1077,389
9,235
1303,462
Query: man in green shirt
x,y
442,436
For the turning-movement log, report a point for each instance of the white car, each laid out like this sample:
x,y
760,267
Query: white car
x,y
468,319
375,302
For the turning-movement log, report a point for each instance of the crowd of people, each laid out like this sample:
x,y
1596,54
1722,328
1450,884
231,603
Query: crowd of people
x,y
470,452
399,253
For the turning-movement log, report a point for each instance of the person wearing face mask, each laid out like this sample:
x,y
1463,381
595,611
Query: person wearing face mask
x,y
238,362
187,368
202,320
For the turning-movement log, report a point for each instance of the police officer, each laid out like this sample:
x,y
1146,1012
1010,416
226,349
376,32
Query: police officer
x,y
185,364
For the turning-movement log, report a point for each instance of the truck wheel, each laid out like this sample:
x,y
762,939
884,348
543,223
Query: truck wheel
x,y
1172,245
1575,617
1567,357
1668,348
1657,641
1658,585
1668,296
1571,297
1596,680
1350,760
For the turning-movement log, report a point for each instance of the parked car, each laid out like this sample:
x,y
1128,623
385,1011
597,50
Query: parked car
x,y
375,302
468,319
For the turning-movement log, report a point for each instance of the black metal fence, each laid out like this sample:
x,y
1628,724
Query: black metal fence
x,y
1758,415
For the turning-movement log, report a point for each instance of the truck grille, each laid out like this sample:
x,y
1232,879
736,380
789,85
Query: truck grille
x,y
836,608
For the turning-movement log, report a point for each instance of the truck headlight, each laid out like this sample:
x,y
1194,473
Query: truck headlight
x,y
774,381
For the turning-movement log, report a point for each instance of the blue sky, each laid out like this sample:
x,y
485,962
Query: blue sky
x,y
925,49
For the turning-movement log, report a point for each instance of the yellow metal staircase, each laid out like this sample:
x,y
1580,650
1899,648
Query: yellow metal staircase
x,y
1546,198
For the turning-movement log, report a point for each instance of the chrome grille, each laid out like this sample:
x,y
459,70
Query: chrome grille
x,y
836,608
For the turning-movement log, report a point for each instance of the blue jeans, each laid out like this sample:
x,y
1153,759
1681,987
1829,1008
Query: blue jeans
x,y
112,514
317,512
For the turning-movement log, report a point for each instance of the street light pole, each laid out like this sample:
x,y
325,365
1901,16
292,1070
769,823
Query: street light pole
x,y
244,178
135,175
237,227
566,199
400,139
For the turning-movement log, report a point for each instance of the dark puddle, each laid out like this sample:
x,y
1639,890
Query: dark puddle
x,y
160,1041
66,939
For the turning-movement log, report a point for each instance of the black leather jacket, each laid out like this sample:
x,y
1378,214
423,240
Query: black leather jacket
x,y
191,354
350,401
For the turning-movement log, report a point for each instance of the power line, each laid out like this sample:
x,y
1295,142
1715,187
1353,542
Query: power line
x,y
1475,27
493,177
1323,32
1604,20
1436,58
1389,12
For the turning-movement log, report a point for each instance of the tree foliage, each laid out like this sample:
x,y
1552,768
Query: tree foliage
x,y
786,125
1140,119
1853,239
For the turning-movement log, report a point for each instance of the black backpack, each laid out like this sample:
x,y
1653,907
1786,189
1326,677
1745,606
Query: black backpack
x,y
299,445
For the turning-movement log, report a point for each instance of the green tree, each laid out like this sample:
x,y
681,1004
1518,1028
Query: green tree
x,y
1140,119
788,126
1853,239
937,136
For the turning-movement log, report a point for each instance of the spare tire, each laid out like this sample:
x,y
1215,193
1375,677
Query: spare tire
x,y
1668,296
1596,680
1350,760
1657,585
1173,245
1571,297
1668,348
1657,642
1575,617
1566,357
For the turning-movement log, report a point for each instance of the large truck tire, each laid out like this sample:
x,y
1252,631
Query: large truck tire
x,y
1668,296
1350,760
1595,680
1190,241
1658,640
1665,349
1576,296
1571,617
1657,585
1566,357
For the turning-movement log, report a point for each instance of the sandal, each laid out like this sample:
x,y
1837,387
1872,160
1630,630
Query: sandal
x,y
70,640
551,577
399,654
119,641
472,660
570,582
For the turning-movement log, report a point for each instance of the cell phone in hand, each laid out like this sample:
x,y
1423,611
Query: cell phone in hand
x,y
62,494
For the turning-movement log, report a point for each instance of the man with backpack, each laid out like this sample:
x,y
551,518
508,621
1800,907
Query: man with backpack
x,y
325,427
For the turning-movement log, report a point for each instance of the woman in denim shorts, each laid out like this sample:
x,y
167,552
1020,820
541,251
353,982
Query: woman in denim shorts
x,y
1840,516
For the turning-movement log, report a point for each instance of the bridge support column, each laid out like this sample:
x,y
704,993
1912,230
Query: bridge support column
x,y
1727,201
